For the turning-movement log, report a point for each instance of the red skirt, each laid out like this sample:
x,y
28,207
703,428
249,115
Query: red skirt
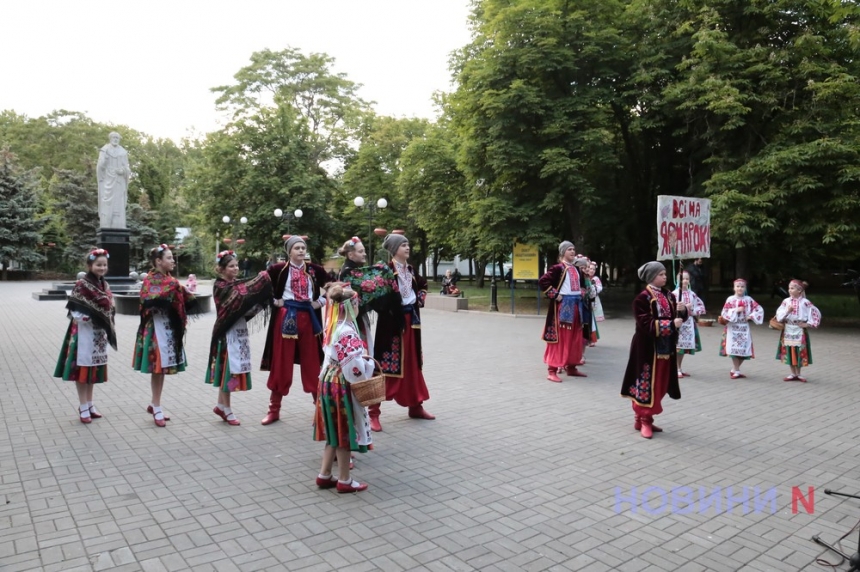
x,y
284,355
567,351
659,388
410,389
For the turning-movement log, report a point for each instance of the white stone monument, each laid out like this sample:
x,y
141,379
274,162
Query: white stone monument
x,y
113,173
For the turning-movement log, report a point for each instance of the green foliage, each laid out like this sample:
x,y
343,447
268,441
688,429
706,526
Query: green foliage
x,y
19,224
326,101
533,112
434,187
75,199
573,116
142,236
257,164
763,91
373,173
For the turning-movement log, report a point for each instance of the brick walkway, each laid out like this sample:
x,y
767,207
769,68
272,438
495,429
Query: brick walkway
x,y
517,473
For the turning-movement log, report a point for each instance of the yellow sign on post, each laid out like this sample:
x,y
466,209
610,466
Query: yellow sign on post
x,y
526,258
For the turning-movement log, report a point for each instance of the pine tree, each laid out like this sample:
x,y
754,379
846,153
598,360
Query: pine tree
x,y
78,199
19,227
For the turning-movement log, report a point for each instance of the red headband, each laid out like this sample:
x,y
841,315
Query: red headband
x,y
96,253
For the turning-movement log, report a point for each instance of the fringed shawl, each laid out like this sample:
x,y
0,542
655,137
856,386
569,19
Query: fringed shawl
x,y
92,297
234,300
165,292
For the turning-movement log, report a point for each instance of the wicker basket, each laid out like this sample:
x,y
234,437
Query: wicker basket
x,y
371,390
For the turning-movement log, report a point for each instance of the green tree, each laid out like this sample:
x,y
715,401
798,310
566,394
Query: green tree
x,y
76,196
533,111
327,102
434,186
373,173
253,166
142,236
764,91
19,225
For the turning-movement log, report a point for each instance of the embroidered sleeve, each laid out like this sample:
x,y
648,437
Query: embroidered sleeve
x,y
784,310
598,285
756,312
728,312
551,293
357,368
698,307
347,347
814,319
422,294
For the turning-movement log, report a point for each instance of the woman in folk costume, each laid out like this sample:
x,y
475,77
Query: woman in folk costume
x,y
294,333
83,357
652,370
688,335
563,284
159,346
589,326
398,336
597,309
738,311
356,257
236,302
340,420
798,314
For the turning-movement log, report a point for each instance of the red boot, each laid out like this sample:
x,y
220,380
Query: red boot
x,y
638,424
418,412
552,375
274,409
373,412
646,429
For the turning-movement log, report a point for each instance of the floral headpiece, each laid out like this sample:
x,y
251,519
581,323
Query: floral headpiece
x,y
800,284
161,248
222,254
353,241
740,280
96,253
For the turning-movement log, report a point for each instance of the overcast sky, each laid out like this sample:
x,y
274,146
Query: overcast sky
x,y
149,64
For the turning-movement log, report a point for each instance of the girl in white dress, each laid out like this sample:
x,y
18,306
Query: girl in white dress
x,y
798,315
688,334
738,311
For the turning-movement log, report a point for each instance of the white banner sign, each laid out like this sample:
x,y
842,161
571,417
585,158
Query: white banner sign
x,y
683,227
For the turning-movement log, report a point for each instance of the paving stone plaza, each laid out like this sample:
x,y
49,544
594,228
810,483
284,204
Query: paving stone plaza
x,y
516,473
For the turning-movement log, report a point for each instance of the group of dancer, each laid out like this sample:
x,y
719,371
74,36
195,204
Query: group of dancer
x,y
332,350
573,289
666,331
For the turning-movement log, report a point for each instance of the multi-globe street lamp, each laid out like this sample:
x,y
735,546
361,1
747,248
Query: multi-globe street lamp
x,y
371,210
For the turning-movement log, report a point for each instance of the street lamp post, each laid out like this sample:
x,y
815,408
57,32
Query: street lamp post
x,y
371,210
288,216
232,238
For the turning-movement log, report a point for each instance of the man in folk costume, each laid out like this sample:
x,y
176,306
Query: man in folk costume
x,y
652,369
563,284
294,333
397,344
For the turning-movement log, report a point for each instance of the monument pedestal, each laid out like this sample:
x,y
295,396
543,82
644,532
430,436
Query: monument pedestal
x,y
117,242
